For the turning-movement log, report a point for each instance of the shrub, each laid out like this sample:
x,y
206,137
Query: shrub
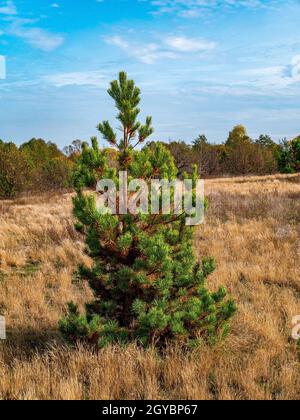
x,y
57,174
243,156
50,168
289,156
240,155
147,284
14,170
296,153
33,167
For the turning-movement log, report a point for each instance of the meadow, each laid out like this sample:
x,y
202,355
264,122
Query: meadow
x,y
252,229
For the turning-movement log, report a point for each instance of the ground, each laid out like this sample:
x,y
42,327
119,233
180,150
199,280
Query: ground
x,y
252,229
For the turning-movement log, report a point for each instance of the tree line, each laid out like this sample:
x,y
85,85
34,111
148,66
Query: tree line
x,y
35,166
38,165
239,155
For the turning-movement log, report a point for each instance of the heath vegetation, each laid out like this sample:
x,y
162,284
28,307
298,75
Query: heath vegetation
x,y
252,229
38,165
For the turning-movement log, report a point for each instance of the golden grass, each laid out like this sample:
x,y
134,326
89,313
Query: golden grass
x,y
252,229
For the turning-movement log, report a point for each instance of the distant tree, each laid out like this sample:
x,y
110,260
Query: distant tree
x,y
14,170
238,137
265,141
242,156
57,174
183,155
39,151
200,141
269,150
286,157
73,150
50,168
206,156
296,153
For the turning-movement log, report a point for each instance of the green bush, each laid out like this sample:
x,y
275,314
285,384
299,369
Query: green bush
x,y
147,284
289,156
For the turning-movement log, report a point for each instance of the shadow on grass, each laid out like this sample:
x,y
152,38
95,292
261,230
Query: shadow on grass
x,y
24,344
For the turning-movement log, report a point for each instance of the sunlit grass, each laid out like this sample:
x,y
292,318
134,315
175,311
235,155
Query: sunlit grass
x,y
252,229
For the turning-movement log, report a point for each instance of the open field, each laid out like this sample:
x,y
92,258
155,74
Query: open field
x,y
252,229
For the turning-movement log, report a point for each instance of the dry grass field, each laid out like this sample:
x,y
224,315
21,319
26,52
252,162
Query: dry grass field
x,y
253,231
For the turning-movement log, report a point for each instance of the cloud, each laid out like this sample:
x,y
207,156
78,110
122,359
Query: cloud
x,y
146,53
35,36
22,28
277,77
60,80
7,8
168,48
184,44
196,8
276,81
89,78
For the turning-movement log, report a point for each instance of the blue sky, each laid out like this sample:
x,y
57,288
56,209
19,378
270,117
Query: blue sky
x,y
203,66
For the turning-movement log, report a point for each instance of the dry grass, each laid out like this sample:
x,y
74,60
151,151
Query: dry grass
x,y
252,229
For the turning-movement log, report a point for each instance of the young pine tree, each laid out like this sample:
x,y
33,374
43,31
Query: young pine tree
x,y
147,284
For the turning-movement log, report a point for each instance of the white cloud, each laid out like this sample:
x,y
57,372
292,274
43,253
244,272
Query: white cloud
x,y
168,48
276,81
7,8
277,77
89,78
37,37
146,53
195,8
118,42
184,44
22,28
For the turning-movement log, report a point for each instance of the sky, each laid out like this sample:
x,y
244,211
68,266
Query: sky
x,y
203,66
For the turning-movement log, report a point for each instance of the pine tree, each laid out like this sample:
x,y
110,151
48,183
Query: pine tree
x,y
147,284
